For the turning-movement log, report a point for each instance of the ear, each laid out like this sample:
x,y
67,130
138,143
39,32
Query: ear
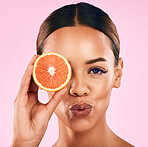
x,y
118,74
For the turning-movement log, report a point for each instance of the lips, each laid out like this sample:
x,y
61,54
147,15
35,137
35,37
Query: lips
x,y
81,110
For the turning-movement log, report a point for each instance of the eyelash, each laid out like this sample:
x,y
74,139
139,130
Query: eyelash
x,y
98,70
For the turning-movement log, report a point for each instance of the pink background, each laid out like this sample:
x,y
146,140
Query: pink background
x,y
127,114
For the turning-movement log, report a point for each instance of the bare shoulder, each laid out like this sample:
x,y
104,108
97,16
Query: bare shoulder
x,y
120,142
124,143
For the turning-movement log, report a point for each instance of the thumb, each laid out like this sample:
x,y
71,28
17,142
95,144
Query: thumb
x,y
55,100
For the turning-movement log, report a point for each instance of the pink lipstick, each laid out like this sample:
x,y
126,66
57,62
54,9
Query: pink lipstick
x,y
81,110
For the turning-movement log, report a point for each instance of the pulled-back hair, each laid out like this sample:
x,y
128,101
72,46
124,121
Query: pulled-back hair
x,y
80,14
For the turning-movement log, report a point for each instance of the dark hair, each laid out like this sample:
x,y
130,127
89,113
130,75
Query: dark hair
x,y
80,14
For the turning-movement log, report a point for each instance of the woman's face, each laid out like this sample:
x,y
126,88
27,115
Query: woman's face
x,y
92,61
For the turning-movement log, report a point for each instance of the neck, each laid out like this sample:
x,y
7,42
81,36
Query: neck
x,y
96,136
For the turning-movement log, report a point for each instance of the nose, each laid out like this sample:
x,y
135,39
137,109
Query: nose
x,y
79,87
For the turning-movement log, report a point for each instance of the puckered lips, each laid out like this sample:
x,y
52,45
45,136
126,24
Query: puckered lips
x,y
81,110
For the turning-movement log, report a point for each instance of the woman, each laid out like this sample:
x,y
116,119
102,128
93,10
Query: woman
x,y
88,38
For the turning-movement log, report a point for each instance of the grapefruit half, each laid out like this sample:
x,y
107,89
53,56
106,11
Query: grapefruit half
x,y
51,71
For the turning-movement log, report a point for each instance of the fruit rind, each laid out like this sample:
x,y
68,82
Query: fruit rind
x,y
49,89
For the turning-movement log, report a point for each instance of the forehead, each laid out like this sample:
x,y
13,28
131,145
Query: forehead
x,y
80,42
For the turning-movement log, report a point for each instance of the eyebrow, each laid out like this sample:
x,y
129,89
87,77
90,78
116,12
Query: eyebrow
x,y
95,60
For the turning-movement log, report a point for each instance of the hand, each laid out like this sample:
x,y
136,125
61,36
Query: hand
x,y
30,116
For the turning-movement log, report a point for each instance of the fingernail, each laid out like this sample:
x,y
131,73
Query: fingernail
x,y
63,91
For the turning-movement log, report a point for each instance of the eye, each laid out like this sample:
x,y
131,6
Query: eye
x,y
97,70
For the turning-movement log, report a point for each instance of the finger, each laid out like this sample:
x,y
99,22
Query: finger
x,y
25,83
55,100
27,76
32,94
50,95
33,88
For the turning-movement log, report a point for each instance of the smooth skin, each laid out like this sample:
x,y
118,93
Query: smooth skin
x,y
80,45
30,116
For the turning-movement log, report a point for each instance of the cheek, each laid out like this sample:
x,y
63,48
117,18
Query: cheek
x,y
101,92
61,110
101,87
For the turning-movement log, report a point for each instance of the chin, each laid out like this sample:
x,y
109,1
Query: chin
x,y
80,125
76,124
